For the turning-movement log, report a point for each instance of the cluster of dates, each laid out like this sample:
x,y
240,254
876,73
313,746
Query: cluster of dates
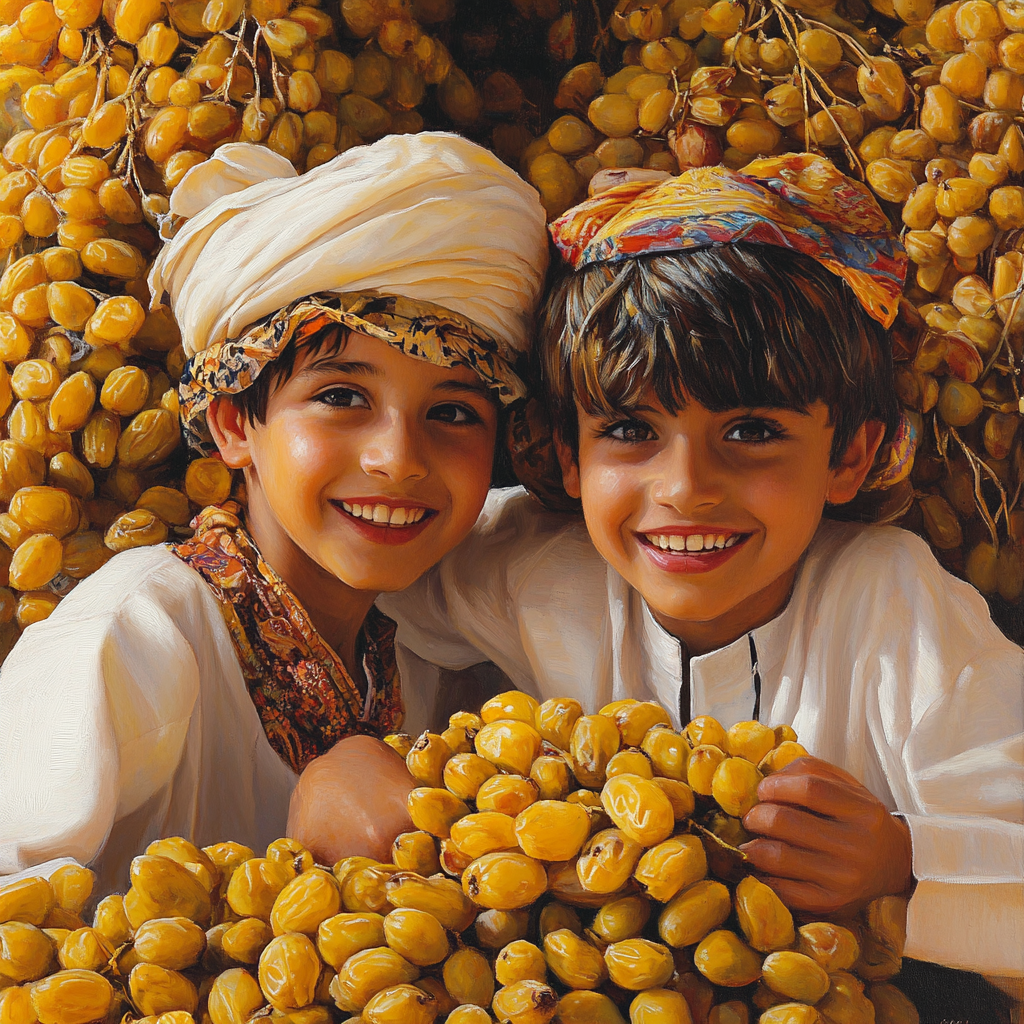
x,y
957,172
565,868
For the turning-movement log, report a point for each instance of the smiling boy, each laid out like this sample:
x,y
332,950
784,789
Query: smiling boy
x,y
719,375
351,335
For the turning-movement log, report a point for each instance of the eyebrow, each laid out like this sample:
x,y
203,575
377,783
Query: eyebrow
x,y
327,366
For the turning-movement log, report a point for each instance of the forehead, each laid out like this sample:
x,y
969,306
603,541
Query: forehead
x,y
356,353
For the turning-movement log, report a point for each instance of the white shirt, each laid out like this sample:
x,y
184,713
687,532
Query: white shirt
x,y
124,717
882,662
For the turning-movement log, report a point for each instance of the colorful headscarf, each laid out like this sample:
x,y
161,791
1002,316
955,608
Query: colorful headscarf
x,y
427,241
798,201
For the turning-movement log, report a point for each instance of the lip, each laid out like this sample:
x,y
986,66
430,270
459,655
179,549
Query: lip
x,y
381,533
690,562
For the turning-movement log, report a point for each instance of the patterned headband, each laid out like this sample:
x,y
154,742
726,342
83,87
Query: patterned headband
x,y
415,327
798,201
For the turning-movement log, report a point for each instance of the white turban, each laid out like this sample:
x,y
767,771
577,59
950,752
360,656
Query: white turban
x,y
430,217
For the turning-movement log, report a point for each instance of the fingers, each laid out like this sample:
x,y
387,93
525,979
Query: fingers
x,y
805,896
795,827
804,784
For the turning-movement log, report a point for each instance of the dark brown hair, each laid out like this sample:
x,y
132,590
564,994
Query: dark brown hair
x,y
733,327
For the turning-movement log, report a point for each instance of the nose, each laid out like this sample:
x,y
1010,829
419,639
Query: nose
x,y
395,450
687,476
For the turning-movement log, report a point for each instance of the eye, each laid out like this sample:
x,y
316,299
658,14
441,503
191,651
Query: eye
x,y
452,412
632,431
756,431
343,398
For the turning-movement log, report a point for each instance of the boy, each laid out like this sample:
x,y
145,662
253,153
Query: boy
x,y
718,371
351,335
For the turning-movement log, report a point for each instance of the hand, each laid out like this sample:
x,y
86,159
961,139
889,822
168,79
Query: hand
x,y
828,845
351,801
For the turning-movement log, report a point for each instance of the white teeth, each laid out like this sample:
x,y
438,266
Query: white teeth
x,y
381,515
694,542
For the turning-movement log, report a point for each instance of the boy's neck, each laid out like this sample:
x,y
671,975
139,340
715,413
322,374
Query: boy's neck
x,y
335,609
703,637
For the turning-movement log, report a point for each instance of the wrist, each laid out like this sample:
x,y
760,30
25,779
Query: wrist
x,y
901,856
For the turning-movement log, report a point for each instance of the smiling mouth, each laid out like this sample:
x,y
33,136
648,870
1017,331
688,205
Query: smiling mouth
x,y
693,543
384,515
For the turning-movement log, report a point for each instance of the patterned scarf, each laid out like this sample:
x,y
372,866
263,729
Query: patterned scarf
x,y
306,699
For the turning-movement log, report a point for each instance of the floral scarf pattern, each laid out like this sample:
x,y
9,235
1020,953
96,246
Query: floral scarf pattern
x,y
416,328
305,698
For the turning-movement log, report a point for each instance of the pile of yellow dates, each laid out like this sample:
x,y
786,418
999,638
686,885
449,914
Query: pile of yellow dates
x,y
565,867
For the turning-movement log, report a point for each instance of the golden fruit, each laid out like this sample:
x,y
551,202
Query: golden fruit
x,y
555,718
671,866
694,913
552,777
289,970
435,810
246,939
520,961
416,935
254,887
71,997
552,830
638,808
620,919
588,1008
659,1006
509,794
575,962
668,751
426,759
305,903
468,977
607,861
504,881
400,1004
525,1002
765,920
155,990
343,935
415,851
495,929
174,942
441,897
509,745
637,964
734,785
233,997
795,976
724,959
512,706
25,951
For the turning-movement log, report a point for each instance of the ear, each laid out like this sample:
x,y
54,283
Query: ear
x,y
230,431
856,463
569,466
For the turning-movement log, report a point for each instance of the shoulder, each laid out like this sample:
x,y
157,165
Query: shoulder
x,y
518,546
143,582
888,579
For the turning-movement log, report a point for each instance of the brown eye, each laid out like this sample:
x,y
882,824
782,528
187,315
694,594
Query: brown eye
x,y
755,432
343,398
630,431
451,412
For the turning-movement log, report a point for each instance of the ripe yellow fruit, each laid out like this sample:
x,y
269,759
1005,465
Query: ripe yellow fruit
x,y
574,961
514,705
415,851
671,866
71,997
765,920
525,1002
401,1004
427,758
795,976
504,881
509,745
694,913
724,959
520,961
245,940
552,830
468,977
36,561
607,861
305,903
638,808
734,785
552,777
155,990
416,935
659,1006
638,964
442,897
485,832
343,935
435,810
289,970
234,996
25,951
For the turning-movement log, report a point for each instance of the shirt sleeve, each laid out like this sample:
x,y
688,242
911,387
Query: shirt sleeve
x,y
95,705
948,725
